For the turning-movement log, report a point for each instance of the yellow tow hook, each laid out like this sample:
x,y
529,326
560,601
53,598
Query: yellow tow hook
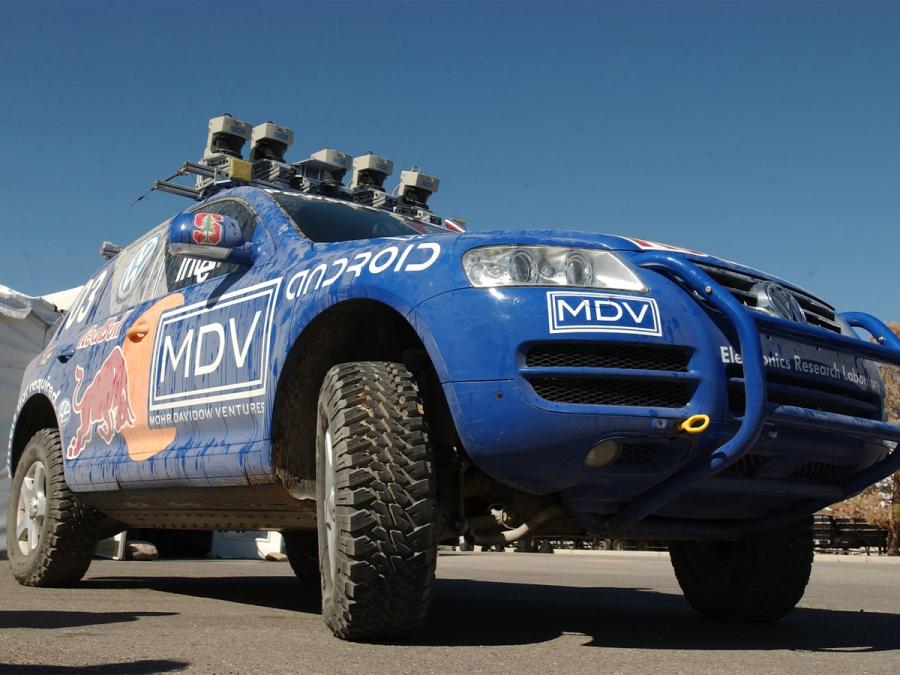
x,y
695,424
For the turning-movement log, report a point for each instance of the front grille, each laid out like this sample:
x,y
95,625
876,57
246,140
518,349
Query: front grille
x,y
630,356
786,390
596,391
739,284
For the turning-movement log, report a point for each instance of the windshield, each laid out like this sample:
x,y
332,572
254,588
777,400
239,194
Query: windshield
x,y
322,220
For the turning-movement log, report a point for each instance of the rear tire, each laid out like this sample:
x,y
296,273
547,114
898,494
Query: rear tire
x,y
376,502
760,578
302,548
52,534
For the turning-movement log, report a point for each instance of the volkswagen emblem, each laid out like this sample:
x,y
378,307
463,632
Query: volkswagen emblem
x,y
775,299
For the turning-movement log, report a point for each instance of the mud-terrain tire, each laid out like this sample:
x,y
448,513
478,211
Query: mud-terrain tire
x,y
376,502
302,548
51,533
760,578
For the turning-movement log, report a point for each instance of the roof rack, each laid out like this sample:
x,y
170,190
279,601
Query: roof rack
x,y
323,173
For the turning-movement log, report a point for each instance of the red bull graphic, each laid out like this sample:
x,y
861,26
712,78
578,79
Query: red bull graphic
x,y
105,402
102,332
208,228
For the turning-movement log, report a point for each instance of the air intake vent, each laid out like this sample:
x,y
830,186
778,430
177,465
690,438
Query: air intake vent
x,y
817,471
747,463
628,356
596,391
637,453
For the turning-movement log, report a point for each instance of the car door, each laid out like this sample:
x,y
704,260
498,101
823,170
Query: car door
x,y
73,362
203,348
91,351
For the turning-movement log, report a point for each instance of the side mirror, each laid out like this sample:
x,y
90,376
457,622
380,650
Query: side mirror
x,y
209,236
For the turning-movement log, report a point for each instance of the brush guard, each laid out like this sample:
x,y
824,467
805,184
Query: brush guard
x,y
632,518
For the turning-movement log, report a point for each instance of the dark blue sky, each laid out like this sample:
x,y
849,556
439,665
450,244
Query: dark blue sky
x,y
767,133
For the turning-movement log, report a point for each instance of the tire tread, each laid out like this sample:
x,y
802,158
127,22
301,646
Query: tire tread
x,y
67,547
385,501
765,580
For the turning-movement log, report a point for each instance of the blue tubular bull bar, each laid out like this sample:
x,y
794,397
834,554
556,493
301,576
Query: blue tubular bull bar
x,y
757,412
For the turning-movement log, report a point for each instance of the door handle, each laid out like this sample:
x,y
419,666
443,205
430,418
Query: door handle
x,y
65,354
138,331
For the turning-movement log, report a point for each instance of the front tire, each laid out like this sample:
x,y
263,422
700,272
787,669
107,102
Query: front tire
x,y
376,502
760,578
52,533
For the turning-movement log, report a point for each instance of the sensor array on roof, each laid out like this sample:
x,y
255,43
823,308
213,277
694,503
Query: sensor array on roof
x,y
223,166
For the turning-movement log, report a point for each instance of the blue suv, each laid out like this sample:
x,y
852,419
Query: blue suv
x,y
340,365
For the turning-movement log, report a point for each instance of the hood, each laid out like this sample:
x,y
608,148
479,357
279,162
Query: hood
x,y
571,238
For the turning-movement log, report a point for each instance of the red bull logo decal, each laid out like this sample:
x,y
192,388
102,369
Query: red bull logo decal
x,y
104,403
207,228
102,332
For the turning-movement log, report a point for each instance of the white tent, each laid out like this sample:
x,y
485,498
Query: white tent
x,y
24,329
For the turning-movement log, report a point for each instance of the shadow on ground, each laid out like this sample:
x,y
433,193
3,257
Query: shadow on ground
x,y
283,592
60,619
483,613
125,668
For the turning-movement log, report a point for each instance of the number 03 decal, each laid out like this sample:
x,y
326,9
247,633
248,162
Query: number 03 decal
x,y
79,312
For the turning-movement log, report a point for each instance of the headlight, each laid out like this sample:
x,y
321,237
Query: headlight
x,y
548,266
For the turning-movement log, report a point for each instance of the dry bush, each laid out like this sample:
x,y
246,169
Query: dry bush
x,y
870,505
880,504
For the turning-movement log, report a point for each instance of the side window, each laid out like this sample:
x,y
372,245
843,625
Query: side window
x,y
137,270
83,310
242,213
181,272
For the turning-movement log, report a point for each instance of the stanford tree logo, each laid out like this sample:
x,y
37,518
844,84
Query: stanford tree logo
x,y
208,228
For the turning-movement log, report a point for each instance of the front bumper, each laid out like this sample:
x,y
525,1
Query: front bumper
x,y
690,489
759,412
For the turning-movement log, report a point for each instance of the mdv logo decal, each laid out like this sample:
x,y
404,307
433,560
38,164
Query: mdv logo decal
x,y
205,354
583,312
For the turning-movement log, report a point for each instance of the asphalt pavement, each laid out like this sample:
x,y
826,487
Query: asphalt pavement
x,y
512,612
